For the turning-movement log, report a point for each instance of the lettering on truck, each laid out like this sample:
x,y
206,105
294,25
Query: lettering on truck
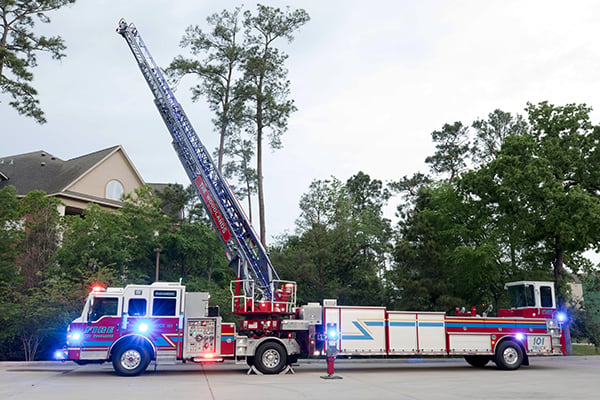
x,y
214,210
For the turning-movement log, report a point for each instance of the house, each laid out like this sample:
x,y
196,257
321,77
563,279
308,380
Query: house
x,y
101,177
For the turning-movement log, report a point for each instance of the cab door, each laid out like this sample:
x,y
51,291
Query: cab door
x,y
102,327
165,309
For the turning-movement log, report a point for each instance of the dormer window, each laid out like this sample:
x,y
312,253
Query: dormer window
x,y
114,190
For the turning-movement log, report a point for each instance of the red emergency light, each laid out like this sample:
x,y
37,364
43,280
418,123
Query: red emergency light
x,y
97,288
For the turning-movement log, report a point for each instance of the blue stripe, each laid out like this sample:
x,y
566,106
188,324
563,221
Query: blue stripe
x,y
365,335
398,323
161,341
483,325
431,324
97,343
469,325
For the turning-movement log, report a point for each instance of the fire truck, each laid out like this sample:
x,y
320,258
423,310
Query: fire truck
x,y
163,323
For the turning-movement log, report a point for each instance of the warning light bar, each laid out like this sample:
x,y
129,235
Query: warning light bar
x,y
98,288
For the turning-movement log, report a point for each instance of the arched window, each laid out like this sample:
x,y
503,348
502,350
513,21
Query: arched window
x,y
114,190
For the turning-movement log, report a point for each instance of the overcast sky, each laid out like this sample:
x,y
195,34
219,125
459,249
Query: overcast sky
x,y
371,80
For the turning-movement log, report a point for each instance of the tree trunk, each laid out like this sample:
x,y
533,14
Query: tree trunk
x,y
221,147
558,278
261,196
259,178
3,40
248,187
30,345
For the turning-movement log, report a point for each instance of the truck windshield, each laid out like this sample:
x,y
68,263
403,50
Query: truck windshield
x,y
521,296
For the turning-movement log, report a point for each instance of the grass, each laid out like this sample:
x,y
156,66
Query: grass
x,y
585,350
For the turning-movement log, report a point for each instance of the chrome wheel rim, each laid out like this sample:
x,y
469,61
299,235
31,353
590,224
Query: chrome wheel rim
x,y
131,359
270,358
510,355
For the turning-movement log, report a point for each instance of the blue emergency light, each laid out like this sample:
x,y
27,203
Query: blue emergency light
x,y
332,332
143,327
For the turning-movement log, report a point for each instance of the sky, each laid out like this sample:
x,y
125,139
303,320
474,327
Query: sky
x,y
371,81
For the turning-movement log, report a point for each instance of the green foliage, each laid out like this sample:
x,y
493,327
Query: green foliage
x,y
30,233
452,146
19,46
173,200
265,86
490,134
245,85
217,72
585,316
424,251
43,286
114,248
11,234
193,253
527,206
342,242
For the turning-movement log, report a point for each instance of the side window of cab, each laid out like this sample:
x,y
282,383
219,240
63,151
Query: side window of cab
x,y
104,306
137,307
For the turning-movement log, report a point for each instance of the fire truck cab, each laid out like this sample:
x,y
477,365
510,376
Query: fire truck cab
x,y
134,325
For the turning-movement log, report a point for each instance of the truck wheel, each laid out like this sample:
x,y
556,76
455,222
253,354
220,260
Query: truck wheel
x,y
478,361
271,358
509,355
130,360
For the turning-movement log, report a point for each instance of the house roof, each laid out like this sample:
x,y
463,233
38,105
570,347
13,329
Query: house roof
x,y
40,170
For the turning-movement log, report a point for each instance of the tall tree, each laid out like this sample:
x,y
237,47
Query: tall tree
x,y
266,82
217,71
426,236
490,133
474,232
342,244
541,192
28,313
19,46
566,203
452,149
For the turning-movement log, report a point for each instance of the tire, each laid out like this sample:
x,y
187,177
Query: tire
x,y
271,358
509,355
130,359
478,361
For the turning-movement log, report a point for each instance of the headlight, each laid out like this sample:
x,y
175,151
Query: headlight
x,y
74,337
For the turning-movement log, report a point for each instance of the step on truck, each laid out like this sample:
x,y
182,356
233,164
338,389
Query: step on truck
x,y
163,323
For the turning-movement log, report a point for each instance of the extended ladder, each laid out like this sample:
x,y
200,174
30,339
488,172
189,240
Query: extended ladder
x,y
245,253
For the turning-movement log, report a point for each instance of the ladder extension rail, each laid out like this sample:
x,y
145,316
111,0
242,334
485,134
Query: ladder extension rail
x,y
244,250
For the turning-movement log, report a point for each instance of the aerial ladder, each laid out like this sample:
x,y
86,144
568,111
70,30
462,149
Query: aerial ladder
x,y
257,281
